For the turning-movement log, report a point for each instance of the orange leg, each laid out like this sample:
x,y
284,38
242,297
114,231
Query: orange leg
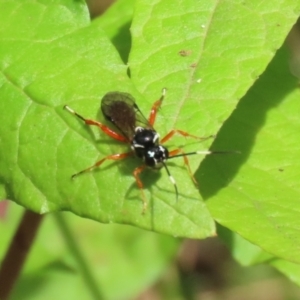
x,y
186,162
136,173
104,128
183,133
98,163
107,130
155,107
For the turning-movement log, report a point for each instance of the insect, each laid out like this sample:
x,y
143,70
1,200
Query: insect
x,y
134,129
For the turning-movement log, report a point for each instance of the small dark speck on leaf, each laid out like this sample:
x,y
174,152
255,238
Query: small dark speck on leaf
x,y
185,52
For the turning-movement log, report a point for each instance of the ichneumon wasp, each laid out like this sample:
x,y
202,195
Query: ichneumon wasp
x,y
134,129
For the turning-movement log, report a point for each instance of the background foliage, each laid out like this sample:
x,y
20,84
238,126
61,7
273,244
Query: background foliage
x,y
209,55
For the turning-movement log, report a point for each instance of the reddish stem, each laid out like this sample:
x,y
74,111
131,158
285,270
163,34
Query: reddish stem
x,y
17,252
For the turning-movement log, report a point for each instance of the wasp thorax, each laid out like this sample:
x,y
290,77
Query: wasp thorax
x,y
145,138
145,144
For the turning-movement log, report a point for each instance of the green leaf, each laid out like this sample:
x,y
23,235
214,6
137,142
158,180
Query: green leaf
x,y
289,269
262,203
226,46
116,27
51,55
248,254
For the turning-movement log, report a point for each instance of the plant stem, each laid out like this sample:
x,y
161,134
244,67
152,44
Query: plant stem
x,y
17,252
77,253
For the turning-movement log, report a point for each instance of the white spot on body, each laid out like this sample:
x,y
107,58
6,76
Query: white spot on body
x,y
137,146
69,109
156,137
172,179
204,152
138,128
151,154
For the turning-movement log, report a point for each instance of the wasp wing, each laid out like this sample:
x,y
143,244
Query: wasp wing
x,y
121,110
